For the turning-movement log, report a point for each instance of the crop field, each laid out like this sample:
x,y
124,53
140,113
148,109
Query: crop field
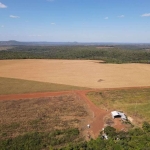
x,y
61,114
81,73
134,102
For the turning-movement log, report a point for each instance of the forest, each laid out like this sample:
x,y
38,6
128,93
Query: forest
x,y
109,54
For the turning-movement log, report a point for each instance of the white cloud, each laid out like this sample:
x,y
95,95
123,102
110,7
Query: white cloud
x,y
121,16
146,15
106,18
52,23
2,5
12,16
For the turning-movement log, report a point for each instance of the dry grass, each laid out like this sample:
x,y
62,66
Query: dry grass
x,y
84,73
135,102
40,115
17,86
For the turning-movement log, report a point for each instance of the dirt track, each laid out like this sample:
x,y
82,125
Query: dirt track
x,y
96,122
97,114
82,73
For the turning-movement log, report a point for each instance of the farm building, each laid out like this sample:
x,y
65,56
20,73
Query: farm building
x,y
117,114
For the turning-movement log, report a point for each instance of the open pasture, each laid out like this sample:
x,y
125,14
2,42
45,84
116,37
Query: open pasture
x,y
83,73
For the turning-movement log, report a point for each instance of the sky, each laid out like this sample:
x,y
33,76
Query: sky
x,y
125,21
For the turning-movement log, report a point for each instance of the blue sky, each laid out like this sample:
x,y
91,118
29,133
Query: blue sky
x,y
75,20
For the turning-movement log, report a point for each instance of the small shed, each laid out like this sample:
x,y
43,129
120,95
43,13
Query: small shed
x,y
117,114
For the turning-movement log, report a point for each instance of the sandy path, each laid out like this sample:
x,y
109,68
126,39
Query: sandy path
x,y
84,73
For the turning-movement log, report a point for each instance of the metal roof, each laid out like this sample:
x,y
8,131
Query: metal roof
x,y
117,113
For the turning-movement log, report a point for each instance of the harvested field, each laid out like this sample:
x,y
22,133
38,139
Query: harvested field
x,y
19,117
84,73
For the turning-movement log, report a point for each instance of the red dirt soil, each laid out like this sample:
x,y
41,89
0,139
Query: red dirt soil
x,y
97,120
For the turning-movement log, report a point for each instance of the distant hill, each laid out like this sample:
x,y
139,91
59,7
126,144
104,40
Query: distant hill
x,y
6,43
18,43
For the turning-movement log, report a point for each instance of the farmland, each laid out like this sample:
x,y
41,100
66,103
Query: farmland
x,y
43,102
81,73
18,86
60,121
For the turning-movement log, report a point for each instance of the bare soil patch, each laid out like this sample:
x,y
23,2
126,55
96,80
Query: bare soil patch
x,y
84,73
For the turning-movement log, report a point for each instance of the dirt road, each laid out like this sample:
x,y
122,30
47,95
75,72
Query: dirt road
x,y
96,122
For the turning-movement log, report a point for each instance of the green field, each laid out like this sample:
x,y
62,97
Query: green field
x,y
134,102
18,86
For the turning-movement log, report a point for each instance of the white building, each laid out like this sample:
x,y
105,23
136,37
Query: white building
x,y
116,114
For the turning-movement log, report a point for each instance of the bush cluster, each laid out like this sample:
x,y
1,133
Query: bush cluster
x,y
134,139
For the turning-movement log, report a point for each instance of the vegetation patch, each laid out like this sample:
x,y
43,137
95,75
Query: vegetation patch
x,y
41,140
18,86
135,139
